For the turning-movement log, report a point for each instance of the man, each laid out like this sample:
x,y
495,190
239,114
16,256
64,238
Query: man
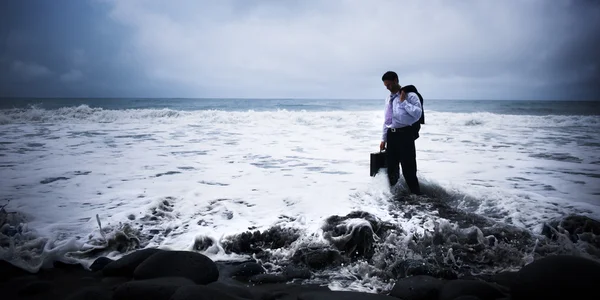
x,y
401,111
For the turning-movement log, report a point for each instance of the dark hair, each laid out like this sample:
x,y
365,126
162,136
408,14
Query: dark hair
x,y
389,75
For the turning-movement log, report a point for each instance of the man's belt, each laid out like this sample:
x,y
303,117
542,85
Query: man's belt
x,y
401,129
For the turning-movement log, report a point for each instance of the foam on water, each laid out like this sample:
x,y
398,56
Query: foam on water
x,y
168,178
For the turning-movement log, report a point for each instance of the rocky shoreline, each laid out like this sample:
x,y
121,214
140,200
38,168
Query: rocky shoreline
x,y
467,257
181,275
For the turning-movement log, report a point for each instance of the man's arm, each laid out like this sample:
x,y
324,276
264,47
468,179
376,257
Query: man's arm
x,y
412,106
384,129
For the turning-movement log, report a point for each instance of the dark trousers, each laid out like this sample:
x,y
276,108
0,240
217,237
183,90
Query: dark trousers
x,y
401,151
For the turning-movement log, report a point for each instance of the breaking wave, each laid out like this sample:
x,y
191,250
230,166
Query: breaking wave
x,y
86,114
419,235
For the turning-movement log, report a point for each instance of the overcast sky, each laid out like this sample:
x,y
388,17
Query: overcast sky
x,y
470,49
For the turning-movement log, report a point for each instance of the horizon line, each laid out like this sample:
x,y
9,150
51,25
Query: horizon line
x,y
281,98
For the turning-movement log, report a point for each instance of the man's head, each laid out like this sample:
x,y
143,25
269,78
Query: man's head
x,y
394,88
389,78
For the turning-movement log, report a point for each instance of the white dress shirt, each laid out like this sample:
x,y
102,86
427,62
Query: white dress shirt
x,y
404,113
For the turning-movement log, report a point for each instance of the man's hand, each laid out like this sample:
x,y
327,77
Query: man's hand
x,y
402,96
381,146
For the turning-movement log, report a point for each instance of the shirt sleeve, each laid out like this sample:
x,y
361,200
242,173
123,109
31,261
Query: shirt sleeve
x,y
412,106
384,129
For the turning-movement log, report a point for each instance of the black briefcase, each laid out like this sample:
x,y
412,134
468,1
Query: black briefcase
x,y
377,162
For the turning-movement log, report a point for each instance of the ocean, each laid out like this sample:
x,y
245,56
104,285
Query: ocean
x,y
83,178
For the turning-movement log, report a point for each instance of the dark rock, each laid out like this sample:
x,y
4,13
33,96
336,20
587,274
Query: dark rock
x,y
456,288
292,272
192,265
410,267
504,278
282,291
420,287
237,291
100,263
88,280
318,258
9,271
200,292
492,241
125,266
518,237
153,289
560,276
467,298
36,287
255,242
67,266
332,295
247,269
475,236
202,243
114,281
549,231
576,228
355,238
90,293
267,278
580,224
438,238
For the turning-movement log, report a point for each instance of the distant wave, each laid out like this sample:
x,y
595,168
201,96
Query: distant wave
x,y
86,114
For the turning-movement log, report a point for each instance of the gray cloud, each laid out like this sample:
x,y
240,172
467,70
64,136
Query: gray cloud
x,y
523,49
29,70
71,76
488,49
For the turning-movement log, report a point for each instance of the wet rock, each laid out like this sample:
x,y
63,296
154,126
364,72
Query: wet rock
x,y
475,236
247,269
114,281
237,291
576,227
560,276
283,291
333,295
482,290
196,292
36,287
519,237
90,293
267,278
255,242
354,234
152,289
202,243
125,266
194,266
504,278
100,263
317,258
410,267
9,271
420,287
580,224
293,272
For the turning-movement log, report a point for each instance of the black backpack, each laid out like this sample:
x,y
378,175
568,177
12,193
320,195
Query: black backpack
x,y
417,125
